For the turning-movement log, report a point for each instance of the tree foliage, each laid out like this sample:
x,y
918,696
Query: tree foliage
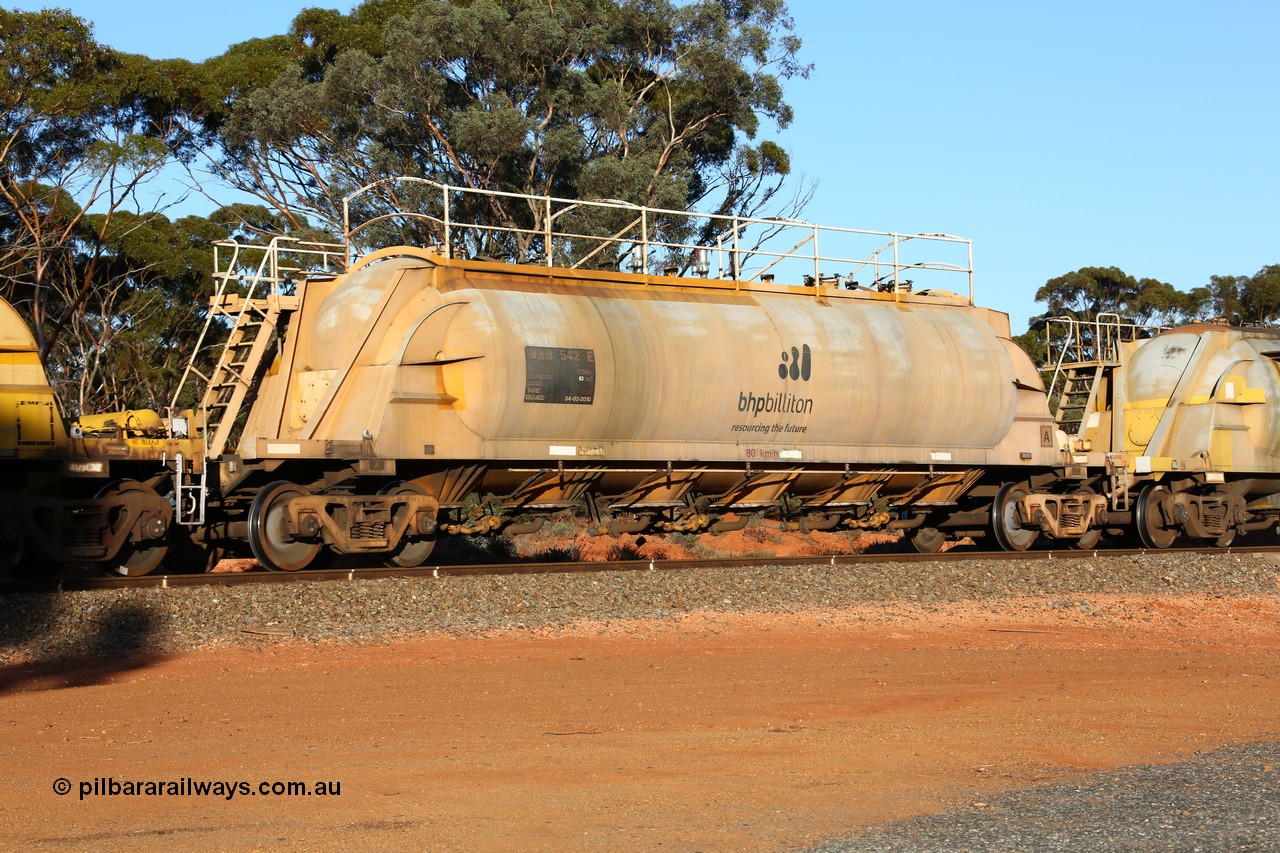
x,y
653,102
648,101
1090,291
1234,299
1240,299
83,130
49,121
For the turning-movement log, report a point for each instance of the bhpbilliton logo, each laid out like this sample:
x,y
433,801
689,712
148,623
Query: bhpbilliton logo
x,y
796,364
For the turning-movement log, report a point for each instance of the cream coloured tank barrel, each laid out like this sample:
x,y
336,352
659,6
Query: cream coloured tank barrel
x,y
427,358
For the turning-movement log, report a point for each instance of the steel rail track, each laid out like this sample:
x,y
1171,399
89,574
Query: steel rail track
x,y
168,581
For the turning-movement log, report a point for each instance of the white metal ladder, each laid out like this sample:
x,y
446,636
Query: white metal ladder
x,y
1085,352
251,318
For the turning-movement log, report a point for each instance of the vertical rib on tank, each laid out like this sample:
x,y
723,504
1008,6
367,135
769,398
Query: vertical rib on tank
x,y
471,360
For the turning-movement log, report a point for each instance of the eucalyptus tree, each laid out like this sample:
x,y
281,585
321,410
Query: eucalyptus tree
x,y
1234,299
1261,296
1241,299
47,134
650,102
1089,291
83,131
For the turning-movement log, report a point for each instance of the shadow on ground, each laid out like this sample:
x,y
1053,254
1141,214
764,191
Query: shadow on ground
x,y
53,649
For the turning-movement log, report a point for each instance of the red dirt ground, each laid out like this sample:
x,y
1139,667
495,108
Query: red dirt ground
x,y
569,540
713,732
769,538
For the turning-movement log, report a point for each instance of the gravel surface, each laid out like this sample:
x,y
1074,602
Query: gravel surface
x,y
51,626
1225,800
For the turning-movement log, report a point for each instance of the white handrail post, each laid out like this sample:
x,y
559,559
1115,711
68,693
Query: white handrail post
x,y
274,267
346,228
969,243
644,239
547,248
448,231
1108,345
896,282
817,269
736,261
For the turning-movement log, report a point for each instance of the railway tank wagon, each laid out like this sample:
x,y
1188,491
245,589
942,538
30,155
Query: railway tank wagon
x,y
1187,423
369,405
415,381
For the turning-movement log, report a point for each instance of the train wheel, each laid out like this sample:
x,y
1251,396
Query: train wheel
x,y
1148,517
10,557
134,558
269,537
412,550
928,540
1089,541
1004,519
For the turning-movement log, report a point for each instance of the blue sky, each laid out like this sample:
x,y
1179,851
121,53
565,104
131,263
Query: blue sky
x,y
1140,134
